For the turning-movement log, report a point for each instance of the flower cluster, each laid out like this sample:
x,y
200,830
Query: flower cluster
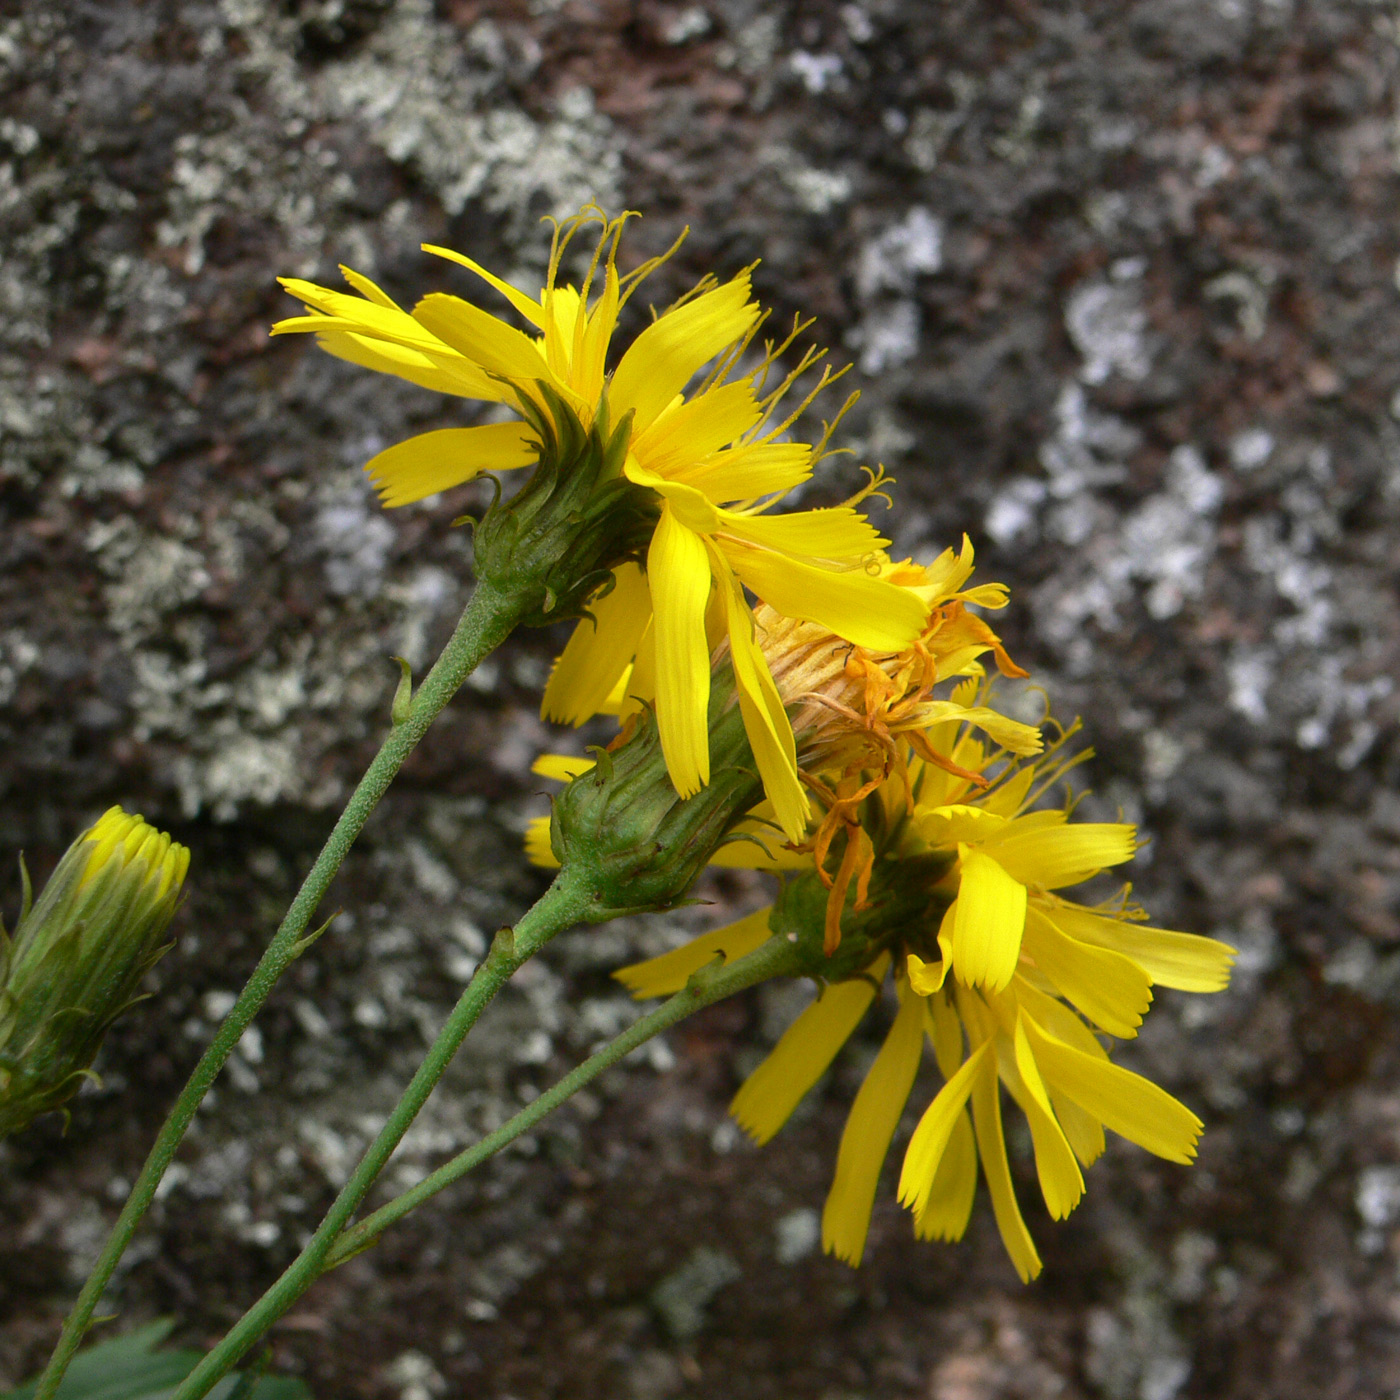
x,y
791,698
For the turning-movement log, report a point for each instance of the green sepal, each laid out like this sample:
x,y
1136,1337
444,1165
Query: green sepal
x,y
622,829
556,542
74,965
307,939
904,909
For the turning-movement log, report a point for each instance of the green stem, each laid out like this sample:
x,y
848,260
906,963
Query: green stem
x,y
488,620
775,958
564,904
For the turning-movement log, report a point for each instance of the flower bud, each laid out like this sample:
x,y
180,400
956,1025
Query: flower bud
x,y
77,957
622,826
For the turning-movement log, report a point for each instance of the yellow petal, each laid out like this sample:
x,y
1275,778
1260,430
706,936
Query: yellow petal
x,y
1084,1131
990,914
987,595
925,978
765,720
445,374
1060,1181
864,610
562,306
1171,959
953,822
641,682
1111,990
765,851
562,767
367,289
837,533
945,1031
433,462
665,356
590,357
677,442
600,650
991,1144
527,306
537,848
949,571
1063,855
1121,1100
690,507
1006,799
947,1210
748,472
1057,1018
926,1147
874,1116
354,313
766,1099
678,572
481,337
1011,734
660,977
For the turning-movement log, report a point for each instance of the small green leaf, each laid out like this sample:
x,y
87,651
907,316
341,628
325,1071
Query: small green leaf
x,y
130,1368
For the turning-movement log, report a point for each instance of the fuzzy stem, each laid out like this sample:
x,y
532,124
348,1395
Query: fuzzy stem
x,y
775,958
567,902
488,619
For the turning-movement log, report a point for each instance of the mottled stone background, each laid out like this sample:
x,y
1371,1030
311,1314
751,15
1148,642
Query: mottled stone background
x,y
1120,283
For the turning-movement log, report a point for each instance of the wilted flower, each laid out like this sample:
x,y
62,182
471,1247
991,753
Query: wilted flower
x,y
932,901
816,702
77,957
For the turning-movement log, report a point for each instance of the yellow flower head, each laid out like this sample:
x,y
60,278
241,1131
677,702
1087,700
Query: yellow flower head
x,y
128,839
1075,970
452,345
714,461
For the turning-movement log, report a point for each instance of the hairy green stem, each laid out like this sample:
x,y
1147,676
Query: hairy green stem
x,y
488,620
567,902
776,958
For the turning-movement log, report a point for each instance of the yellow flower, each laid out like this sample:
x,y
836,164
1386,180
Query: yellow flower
x,y
856,698
714,462
1061,1079
453,346
1071,964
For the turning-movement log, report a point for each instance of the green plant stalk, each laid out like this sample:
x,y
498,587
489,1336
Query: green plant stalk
x,y
776,958
567,902
489,618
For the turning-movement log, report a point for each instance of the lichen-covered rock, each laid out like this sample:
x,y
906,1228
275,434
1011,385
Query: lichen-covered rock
x,y
1119,285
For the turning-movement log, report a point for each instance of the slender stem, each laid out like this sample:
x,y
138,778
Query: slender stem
x,y
487,621
774,959
566,903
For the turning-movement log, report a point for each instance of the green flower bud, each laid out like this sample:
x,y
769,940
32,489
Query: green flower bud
x,y
622,829
77,957
557,541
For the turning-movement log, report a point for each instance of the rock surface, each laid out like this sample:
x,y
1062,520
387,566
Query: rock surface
x,y
1120,284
